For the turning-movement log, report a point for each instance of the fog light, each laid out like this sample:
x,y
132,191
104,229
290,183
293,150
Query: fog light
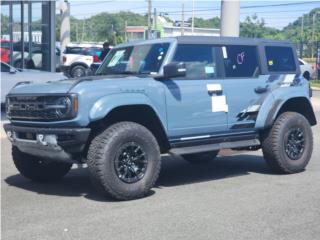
x,y
10,136
40,138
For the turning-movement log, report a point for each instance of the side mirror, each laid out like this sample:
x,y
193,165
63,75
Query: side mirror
x,y
12,71
174,69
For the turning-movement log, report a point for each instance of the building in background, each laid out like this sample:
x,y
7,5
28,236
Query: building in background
x,y
167,29
173,31
28,34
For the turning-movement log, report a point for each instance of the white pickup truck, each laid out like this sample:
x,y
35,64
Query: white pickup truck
x,y
77,58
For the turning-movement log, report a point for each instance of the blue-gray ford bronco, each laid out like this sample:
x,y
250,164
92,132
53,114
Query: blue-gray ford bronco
x,y
188,96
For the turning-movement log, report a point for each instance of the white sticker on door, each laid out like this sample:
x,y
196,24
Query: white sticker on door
x,y
219,104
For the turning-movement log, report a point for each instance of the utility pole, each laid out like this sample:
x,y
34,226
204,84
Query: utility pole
x,y
83,23
125,31
313,30
77,32
182,20
301,41
230,18
65,26
149,18
155,23
192,23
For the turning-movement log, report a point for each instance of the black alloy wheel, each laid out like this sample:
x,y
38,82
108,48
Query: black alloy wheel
x,y
295,143
131,162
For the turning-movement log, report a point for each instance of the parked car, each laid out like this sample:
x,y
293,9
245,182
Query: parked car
x,y
94,67
189,96
11,76
33,62
5,51
5,55
307,70
77,58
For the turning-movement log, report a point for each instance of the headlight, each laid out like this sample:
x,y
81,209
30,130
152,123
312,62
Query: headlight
x,y
64,107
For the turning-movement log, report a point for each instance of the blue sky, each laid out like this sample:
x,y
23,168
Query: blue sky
x,y
275,16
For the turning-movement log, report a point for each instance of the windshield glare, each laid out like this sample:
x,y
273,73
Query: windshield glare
x,y
139,59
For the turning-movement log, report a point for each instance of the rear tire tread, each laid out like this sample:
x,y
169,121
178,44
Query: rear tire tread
x,y
270,145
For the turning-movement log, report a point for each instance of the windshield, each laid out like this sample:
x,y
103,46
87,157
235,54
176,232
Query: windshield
x,y
139,59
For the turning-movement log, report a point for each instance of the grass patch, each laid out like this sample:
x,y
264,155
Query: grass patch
x,y
315,83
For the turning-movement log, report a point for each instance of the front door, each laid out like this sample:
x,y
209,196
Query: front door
x,y
196,104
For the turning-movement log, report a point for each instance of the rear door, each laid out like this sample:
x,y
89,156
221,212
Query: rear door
x,y
244,85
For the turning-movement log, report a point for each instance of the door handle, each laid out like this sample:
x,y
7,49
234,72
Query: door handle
x,y
214,88
260,90
217,91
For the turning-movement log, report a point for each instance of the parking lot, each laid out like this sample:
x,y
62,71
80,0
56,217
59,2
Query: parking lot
x,y
234,197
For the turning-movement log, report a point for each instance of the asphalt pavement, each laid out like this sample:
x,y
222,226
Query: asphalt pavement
x,y
234,197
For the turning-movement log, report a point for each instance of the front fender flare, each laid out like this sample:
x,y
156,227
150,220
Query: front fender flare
x,y
106,104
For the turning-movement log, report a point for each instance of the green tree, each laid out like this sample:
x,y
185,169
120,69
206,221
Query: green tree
x,y
4,24
206,23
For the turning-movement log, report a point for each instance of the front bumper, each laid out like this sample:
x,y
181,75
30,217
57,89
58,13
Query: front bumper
x,y
57,144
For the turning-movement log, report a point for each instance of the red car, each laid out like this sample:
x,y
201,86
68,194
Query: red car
x,y
5,51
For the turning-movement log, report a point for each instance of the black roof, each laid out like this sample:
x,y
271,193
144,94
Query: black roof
x,y
228,40
210,40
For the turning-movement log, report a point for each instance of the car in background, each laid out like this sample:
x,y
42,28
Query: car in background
x,y
5,51
30,62
77,58
307,70
5,55
35,61
11,76
94,67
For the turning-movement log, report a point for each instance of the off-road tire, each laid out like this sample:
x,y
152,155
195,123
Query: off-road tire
x,y
274,144
201,158
102,155
37,169
78,71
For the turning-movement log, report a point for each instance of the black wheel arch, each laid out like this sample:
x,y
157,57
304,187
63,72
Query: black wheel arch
x,y
300,105
141,114
78,64
306,75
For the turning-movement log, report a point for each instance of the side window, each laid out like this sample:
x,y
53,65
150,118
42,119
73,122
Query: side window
x,y
240,61
200,60
73,50
280,59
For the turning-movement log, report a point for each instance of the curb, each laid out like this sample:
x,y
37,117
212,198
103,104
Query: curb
x,y
315,88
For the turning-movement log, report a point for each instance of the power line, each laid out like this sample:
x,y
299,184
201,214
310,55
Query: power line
x,y
252,6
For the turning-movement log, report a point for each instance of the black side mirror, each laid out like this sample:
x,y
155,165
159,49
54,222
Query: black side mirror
x,y
174,69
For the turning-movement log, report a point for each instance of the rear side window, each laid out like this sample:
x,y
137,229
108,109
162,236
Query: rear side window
x,y
280,59
91,51
240,61
200,60
73,50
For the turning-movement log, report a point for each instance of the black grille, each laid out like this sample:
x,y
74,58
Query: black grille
x,y
41,108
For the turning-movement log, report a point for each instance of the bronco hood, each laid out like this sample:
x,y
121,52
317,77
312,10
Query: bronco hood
x,y
43,88
65,86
